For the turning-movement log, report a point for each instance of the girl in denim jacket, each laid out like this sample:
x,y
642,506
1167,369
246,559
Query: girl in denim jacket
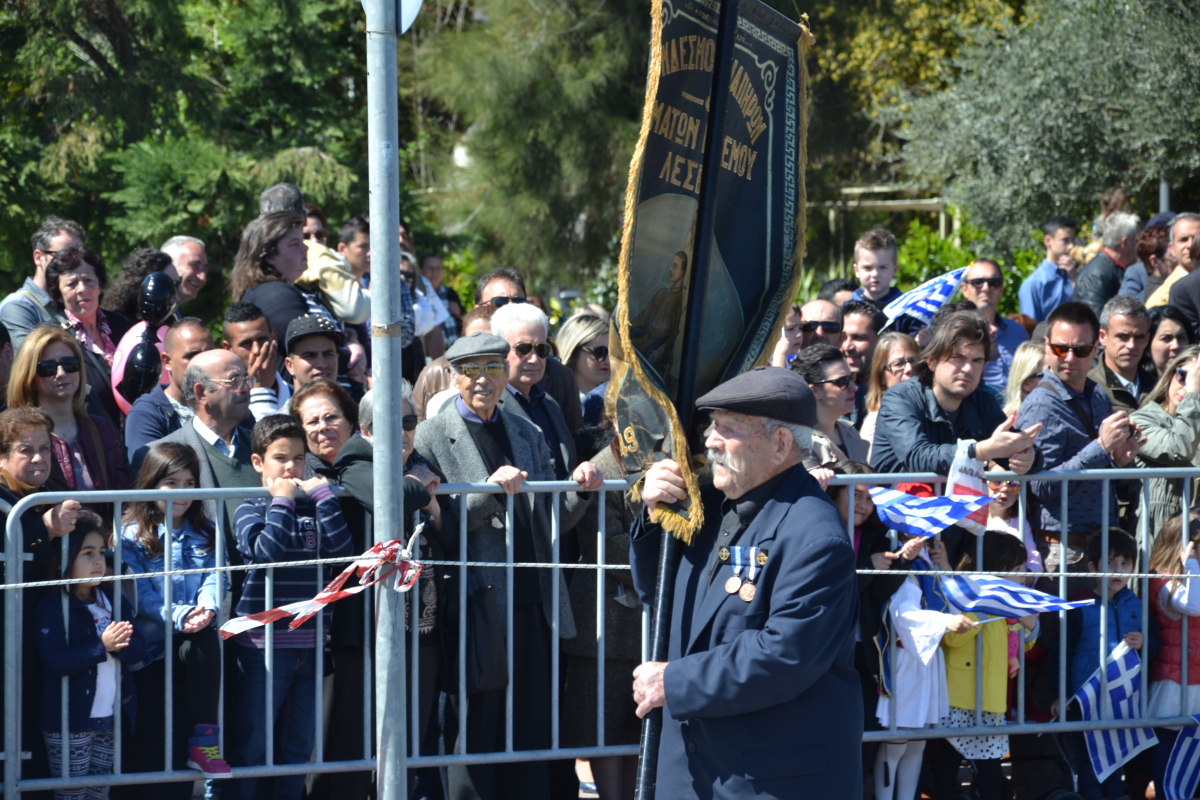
x,y
150,530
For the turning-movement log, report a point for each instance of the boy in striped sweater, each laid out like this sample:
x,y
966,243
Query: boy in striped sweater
x,y
282,528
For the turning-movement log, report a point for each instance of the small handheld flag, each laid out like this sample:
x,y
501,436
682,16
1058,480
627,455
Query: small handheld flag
x,y
1183,768
1110,749
1000,597
924,301
922,516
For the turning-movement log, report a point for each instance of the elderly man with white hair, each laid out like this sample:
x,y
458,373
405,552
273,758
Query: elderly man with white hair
x,y
474,441
1100,279
526,329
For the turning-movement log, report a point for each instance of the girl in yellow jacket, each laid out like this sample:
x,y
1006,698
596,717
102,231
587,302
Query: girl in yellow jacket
x,y
1002,552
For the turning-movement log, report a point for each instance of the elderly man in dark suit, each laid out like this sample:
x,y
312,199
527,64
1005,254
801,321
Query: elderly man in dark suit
x,y
476,442
759,695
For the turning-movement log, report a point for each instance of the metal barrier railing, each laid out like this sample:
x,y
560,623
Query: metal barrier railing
x,y
14,592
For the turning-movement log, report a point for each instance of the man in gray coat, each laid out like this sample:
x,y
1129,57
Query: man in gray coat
x,y
475,442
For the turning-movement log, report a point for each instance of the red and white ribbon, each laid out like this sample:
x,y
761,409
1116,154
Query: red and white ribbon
x,y
373,566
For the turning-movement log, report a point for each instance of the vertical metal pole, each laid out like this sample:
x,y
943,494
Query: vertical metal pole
x,y
1104,651
979,641
1143,567
601,582
386,345
1164,195
508,591
64,718
555,577
220,612
1063,535
1187,622
169,618
462,624
13,560
1021,648
117,594
319,658
269,658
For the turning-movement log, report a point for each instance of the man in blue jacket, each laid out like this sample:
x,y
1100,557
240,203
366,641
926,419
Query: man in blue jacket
x,y
759,693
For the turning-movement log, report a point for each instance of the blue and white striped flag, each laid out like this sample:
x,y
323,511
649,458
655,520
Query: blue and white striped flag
x,y
1000,597
1110,749
923,516
924,301
1183,768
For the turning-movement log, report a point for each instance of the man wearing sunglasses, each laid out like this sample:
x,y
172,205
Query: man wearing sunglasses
x,y
820,323
525,329
983,285
1079,430
505,286
475,441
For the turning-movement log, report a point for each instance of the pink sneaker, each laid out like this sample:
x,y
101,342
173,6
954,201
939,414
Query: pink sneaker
x,y
204,753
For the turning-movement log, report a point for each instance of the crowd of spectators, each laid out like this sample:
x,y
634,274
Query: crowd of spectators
x,y
1099,371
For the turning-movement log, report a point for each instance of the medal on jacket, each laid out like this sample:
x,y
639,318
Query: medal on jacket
x,y
756,558
738,558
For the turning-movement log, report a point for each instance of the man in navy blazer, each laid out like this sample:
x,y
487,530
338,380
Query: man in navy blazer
x,y
759,695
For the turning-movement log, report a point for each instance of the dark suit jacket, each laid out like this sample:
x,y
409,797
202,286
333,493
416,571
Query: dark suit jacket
x,y
566,439
1098,282
762,697
1185,295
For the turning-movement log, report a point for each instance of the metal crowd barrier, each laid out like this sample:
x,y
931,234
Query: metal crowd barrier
x,y
14,594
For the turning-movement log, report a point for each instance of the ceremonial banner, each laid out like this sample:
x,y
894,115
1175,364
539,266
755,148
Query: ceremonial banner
x,y
714,220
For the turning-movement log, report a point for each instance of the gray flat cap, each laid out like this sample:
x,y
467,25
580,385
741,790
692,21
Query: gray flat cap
x,y
476,345
771,392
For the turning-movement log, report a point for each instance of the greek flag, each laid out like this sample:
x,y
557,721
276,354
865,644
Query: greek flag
x,y
1183,769
923,516
1000,597
924,301
1110,749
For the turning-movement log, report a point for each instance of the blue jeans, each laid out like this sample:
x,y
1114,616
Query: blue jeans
x,y
294,683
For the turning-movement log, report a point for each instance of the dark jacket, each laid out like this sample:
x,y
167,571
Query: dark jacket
x,y
913,433
99,372
151,418
1185,295
76,652
1122,398
1098,282
1083,634
281,302
762,697
875,590
559,383
566,439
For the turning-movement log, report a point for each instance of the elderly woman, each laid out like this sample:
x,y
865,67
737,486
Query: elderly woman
x,y
825,370
895,362
583,346
48,374
1170,420
75,280
270,260
330,419
475,442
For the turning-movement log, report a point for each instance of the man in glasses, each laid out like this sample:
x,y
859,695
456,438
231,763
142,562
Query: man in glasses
x,y
526,328
505,286
476,441
1124,336
31,304
216,387
1079,430
983,285
164,410
820,323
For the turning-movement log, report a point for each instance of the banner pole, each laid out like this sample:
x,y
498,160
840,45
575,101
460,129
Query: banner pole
x,y
668,559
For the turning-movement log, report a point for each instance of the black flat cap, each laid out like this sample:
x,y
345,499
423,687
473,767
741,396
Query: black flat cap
x,y
313,325
771,392
476,345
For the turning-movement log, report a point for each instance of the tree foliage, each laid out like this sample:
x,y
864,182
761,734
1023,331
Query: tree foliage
x,y
1044,117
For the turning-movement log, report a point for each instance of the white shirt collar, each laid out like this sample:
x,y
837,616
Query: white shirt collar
x,y
1130,386
210,436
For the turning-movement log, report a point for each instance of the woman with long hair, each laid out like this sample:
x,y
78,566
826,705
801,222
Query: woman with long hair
x,y
1024,375
1169,335
75,281
1170,420
895,362
48,374
270,260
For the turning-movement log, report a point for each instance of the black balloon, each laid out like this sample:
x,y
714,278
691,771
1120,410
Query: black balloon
x,y
156,303
143,368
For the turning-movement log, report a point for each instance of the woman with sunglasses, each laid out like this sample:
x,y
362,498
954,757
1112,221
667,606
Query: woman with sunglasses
x,y
1024,375
825,370
75,280
583,345
1170,420
895,362
48,374
1004,515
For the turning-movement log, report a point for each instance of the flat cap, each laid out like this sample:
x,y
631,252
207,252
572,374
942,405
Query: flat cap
x,y
476,345
313,325
772,392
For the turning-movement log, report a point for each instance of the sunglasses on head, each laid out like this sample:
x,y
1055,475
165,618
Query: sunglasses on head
x,y
503,301
1080,350
840,383
979,283
598,353
523,349
48,369
493,369
409,422
828,327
